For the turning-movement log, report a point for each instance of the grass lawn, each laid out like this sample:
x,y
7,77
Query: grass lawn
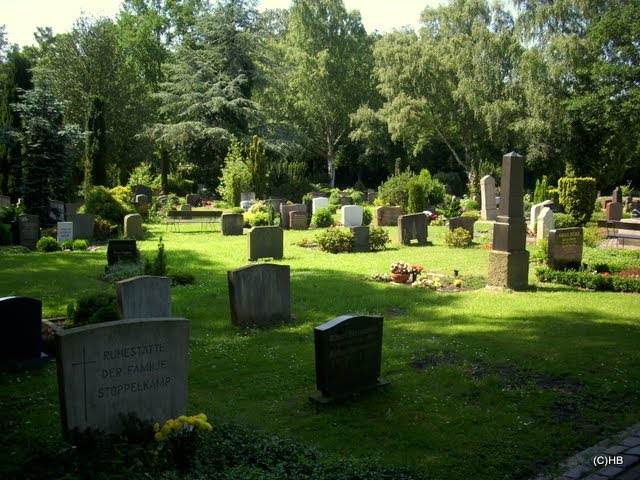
x,y
484,384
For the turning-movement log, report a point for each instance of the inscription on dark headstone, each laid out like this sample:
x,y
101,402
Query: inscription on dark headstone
x,y
20,342
348,352
565,248
121,251
29,228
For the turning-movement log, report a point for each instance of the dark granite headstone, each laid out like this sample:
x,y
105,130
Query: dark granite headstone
x,y
509,259
616,195
462,222
193,199
565,248
412,227
260,295
298,220
232,223
20,342
142,190
122,251
263,242
29,228
83,225
361,235
348,352
71,209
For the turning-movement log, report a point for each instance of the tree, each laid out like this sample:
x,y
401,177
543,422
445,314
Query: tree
x,y
258,168
325,75
49,150
94,153
236,177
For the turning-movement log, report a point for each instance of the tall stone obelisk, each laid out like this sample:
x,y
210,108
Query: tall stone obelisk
x,y
509,259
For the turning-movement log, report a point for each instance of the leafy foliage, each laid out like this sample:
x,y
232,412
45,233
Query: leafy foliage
x,y
94,308
322,218
47,244
457,238
336,240
236,176
111,205
578,197
378,239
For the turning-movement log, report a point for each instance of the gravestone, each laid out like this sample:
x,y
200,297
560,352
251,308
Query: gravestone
x,y
614,211
263,242
29,230
635,213
145,296
122,251
616,195
142,190
56,211
509,259
386,216
346,199
232,223
162,199
71,209
565,248
193,199
462,222
142,199
118,368
361,235
371,196
186,208
535,211
317,194
412,227
247,196
247,204
260,295
352,216
298,220
133,226
286,208
83,225
348,353
319,202
64,232
275,202
5,201
546,223
488,196
20,342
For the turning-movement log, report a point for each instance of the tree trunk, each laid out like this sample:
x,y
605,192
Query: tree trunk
x,y
164,171
331,159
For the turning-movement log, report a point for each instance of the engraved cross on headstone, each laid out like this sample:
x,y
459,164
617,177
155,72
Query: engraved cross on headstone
x,y
84,364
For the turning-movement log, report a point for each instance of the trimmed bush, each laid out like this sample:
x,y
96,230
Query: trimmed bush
x,y
111,205
95,308
67,245
79,245
589,280
47,244
457,238
578,196
336,240
357,198
417,200
322,218
367,216
334,197
104,229
564,220
257,219
378,239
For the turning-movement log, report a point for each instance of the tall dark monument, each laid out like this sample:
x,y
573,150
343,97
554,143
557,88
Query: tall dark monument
x,y
509,259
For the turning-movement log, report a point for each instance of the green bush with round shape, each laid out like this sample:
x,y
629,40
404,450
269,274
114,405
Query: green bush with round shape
x,y
378,239
469,204
104,229
47,244
357,198
93,308
578,196
334,198
67,245
336,240
237,210
322,218
80,244
457,238
257,219
564,220
367,216
111,205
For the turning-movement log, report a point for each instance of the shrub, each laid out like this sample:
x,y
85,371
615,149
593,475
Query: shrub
x,y
334,197
157,267
94,308
417,200
122,271
257,219
180,186
80,244
472,214
541,192
322,218
577,196
564,220
143,175
589,280
592,236
333,208
336,240
181,277
104,229
236,177
5,234
237,210
378,239
394,191
451,207
307,200
357,198
111,205
457,238
367,216
47,244
469,205
67,245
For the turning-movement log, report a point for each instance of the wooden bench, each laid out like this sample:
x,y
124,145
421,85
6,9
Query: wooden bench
x,y
204,217
631,230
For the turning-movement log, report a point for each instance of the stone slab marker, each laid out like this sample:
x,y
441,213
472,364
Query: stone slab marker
x,y
386,216
616,195
64,232
29,228
71,209
298,221
319,202
286,208
565,248
115,368
144,296
535,212
232,224
20,342
613,211
412,227
142,190
247,196
5,201
352,216
83,225
260,295
361,235
142,199
488,195
462,222
263,242
133,226
122,251
509,259
185,207
546,222
348,352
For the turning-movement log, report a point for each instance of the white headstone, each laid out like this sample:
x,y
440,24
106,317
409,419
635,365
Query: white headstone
x,y
488,194
246,196
546,222
65,232
352,216
246,204
110,369
319,202
535,211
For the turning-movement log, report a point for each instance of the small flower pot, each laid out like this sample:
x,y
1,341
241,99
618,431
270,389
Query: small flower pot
x,y
399,277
